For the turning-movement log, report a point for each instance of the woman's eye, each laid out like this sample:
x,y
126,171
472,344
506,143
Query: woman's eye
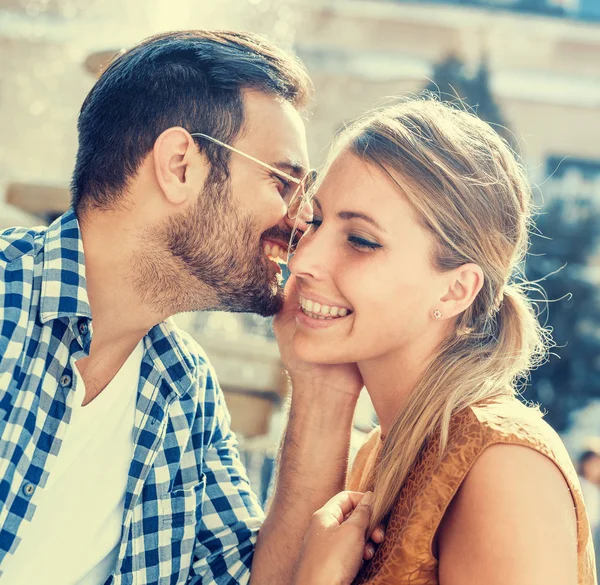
x,y
315,223
362,244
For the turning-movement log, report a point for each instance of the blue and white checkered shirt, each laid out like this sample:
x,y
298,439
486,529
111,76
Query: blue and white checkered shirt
x,y
190,515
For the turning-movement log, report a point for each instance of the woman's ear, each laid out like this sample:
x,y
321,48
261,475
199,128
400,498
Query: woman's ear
x,y
463,286
173,155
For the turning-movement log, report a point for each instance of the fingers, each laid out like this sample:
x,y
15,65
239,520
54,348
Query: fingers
x,y
341,505
377,537
361,516
378,534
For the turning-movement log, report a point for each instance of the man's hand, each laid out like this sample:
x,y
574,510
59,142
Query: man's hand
x,y
335,542
314,456
344,378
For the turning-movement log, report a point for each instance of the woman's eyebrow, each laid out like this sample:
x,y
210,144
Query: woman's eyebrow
x,y
353,215
359,215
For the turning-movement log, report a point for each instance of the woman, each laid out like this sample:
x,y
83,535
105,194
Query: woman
x,y
410,270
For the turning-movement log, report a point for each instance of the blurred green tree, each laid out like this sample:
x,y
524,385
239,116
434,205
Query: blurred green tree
x,y
451,82
568,237
560,258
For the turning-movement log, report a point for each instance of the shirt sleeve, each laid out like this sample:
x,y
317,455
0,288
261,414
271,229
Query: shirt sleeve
x,y
231,512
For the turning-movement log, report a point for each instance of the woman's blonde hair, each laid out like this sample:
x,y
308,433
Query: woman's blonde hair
x,y
470,192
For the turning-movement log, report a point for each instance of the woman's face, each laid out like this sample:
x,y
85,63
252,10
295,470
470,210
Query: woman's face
x,y
365,267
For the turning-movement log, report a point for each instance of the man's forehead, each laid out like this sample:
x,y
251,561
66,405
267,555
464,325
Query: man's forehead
x,y
274,128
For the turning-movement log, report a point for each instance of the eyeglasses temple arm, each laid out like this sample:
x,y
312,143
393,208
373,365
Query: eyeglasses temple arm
x,y
294,180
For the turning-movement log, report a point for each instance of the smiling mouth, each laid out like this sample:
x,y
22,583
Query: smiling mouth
x,y
276,252
323,312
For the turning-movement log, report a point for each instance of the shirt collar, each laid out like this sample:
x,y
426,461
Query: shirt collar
x,y
64,294
64,291
175,356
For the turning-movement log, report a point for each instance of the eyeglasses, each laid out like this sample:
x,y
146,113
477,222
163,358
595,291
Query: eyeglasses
x,y
305,184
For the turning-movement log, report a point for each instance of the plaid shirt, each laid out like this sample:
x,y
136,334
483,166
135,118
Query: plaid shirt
x,y
190,515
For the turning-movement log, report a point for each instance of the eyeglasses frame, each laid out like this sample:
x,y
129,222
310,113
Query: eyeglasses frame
x,y
299,182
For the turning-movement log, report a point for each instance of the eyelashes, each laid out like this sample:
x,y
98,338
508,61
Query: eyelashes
x,y
281,182
356,242
362,243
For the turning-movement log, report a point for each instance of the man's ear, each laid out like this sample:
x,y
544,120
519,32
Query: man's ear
x,y
464,284
173,155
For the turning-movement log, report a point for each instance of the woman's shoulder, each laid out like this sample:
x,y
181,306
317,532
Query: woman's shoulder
x,y
513,504
513,470
508,420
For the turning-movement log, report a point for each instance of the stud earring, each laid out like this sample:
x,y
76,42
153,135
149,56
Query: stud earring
x,y
437,314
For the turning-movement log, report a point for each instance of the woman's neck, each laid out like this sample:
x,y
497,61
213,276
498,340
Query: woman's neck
x,y
391,378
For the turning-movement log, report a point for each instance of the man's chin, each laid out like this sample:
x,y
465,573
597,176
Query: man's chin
x,y
269,306
266,300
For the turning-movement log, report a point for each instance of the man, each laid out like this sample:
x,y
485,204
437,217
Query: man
x,y
117,461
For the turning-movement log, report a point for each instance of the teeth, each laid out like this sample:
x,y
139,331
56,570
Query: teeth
x,y
317,311
276,253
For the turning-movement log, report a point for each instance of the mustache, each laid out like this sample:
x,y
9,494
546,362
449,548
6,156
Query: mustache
x,y
280,234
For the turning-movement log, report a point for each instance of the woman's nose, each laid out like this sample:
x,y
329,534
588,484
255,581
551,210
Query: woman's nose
x,y
309,258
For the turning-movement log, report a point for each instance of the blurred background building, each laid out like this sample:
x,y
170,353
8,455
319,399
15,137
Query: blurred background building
x,y
531,67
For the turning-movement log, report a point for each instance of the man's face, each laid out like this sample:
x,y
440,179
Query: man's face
x,y
221,240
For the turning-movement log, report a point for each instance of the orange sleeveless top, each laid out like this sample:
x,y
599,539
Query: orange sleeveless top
x,y
406,556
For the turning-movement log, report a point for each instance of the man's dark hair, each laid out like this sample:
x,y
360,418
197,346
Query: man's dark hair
x,y
192,79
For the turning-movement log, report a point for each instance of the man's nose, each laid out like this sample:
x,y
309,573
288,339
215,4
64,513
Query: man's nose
x,y
298,216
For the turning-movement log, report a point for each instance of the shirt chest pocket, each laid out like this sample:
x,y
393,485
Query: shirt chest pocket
x,y
180,511
181,507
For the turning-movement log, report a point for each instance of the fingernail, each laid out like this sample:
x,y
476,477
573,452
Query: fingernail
x,y
381,533
367,498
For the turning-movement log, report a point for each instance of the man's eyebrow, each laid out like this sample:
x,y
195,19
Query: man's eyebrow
x,y
290,167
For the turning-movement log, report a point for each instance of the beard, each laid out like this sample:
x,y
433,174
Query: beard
x,y
220,251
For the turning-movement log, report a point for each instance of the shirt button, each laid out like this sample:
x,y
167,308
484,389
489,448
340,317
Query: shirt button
x,y
65,381
83,328
28,489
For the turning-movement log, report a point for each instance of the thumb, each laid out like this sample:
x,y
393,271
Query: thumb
x,y
290,303
291,293
361,515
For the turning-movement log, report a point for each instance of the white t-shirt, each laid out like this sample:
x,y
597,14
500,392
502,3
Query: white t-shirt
x,y
75,531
